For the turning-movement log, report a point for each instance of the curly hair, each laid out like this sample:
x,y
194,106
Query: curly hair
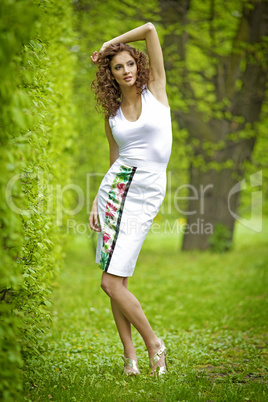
x,y
107,90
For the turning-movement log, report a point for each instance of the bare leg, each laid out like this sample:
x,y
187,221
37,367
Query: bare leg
x,y
131,309
124,328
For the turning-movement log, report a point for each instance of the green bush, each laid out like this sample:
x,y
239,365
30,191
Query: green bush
x,y
37,138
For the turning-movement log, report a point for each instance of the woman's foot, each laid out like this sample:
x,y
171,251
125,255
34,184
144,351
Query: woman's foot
x,y
158,362
130,366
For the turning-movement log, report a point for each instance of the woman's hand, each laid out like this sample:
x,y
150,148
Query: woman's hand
x,y
95,57
94,217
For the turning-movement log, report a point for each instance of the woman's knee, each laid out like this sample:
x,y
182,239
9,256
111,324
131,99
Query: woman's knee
x,y
111,284
105,286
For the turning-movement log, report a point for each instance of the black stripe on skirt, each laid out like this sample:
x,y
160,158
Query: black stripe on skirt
x,y
120,217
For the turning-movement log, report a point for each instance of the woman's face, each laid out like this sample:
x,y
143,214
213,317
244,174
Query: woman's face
x,y
124,69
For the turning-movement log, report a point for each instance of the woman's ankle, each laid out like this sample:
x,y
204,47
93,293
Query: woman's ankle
x,y
153,347
130,353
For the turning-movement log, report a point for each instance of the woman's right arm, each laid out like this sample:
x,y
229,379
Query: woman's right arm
x,y
114,149
114,153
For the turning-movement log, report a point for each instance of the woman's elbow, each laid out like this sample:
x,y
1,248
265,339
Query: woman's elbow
x,y
150,26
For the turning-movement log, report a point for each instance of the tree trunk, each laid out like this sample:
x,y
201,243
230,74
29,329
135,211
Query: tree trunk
x,y
209,206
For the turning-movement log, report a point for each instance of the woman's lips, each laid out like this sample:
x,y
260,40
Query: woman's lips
x,y
127,78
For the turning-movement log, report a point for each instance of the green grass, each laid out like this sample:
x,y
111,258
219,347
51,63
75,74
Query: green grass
x,y
210,309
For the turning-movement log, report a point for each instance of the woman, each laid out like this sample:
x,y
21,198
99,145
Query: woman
x,y
138,128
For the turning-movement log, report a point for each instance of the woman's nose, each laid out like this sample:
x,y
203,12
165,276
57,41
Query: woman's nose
x,y
126,69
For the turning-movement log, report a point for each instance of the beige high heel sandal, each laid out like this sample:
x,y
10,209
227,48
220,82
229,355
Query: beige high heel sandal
x,y
163,369
130,364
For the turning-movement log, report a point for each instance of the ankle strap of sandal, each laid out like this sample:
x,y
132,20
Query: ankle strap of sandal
x,y
158,355
130,363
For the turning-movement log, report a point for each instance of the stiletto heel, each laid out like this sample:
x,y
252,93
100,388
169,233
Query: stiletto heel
x,y
163,369
130,364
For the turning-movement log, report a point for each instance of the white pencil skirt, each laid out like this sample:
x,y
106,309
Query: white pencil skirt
x,y
129,198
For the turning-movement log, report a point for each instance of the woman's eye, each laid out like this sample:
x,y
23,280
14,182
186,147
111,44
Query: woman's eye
x,y
117,67
131,63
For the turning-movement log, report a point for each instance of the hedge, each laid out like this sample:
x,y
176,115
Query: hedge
x,y
37,68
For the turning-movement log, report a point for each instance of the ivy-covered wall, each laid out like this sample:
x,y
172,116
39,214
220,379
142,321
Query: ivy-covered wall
x,y
37,140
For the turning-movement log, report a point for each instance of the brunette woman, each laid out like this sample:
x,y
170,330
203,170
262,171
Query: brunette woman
x,y
132,94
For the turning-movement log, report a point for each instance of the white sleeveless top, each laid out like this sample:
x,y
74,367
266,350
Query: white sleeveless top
x,y
150,137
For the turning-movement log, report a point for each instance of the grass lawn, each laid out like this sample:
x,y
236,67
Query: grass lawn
x,y
210,309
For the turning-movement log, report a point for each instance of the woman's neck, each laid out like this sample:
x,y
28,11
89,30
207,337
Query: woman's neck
x,y
130,95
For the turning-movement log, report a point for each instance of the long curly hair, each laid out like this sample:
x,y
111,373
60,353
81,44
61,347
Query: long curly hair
x,y
107,90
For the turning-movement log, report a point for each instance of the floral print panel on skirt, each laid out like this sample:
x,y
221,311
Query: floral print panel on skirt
x,y
113,213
